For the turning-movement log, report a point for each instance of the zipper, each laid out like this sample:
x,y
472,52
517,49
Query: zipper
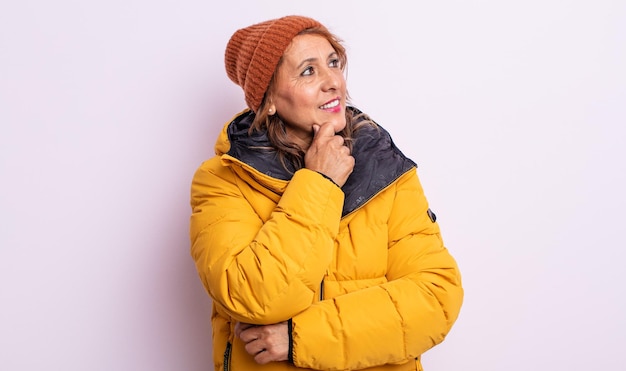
x,y
322,290
227,352
363,203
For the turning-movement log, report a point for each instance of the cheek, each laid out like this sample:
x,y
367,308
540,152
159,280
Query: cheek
x,y
289,97
305,96
293,100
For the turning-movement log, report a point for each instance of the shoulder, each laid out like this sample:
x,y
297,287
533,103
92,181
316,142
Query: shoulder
x,y
369,135
372,145
212,173
378,164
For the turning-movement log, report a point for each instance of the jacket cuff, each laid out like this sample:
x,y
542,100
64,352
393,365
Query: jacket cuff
x,y
290,330
329,178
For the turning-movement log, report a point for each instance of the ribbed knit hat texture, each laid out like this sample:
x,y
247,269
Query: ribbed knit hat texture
x,y
253,52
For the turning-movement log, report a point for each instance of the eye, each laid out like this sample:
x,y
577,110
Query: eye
x,y
335,62
308,71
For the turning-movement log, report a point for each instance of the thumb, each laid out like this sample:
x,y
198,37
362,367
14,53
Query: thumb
x,y
316,128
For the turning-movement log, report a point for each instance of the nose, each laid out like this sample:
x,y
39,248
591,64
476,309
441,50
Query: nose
x,y
331,79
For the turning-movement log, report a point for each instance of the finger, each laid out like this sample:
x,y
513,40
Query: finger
x,y
241,326
326,130
266,354
249,333
254,347
238,329
335,142
264,357
316,128
270,353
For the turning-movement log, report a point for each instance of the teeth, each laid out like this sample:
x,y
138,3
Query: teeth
x,y
332,104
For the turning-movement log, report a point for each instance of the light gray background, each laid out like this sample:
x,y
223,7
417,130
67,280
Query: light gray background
x,y
514,111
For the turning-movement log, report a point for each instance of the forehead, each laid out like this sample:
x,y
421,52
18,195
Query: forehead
x,y
306,47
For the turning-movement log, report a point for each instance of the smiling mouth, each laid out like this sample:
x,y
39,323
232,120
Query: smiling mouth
x,y
332,104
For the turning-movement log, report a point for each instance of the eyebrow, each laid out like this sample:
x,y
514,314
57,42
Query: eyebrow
x,y
309,60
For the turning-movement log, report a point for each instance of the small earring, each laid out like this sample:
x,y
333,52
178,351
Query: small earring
x,y
270,111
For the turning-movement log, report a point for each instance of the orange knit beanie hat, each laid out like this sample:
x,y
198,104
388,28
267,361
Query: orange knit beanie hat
x,y
252,53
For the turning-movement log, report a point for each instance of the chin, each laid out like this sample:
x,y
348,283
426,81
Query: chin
x,y
339,126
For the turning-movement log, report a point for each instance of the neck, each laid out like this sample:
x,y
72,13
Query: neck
x,y
303,141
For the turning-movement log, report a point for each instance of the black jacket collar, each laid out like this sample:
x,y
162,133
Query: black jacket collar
x,y
378,162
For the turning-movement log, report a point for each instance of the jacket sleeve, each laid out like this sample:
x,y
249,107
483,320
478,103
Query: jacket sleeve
x,y
398,320
262,272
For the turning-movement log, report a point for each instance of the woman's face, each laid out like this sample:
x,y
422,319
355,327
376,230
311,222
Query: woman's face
x,y
309,89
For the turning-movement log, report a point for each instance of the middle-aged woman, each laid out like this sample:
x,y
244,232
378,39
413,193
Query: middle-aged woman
x,y
310,229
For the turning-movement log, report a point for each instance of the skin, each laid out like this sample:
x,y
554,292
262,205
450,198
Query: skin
x,y
269,343
309,77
